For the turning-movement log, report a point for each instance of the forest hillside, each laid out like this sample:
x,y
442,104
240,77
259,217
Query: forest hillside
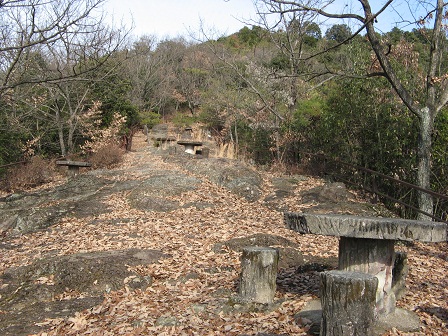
x,y
297,94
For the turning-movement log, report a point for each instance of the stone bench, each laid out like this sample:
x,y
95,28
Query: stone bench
x,y
189,145
73,166
162,141
366,244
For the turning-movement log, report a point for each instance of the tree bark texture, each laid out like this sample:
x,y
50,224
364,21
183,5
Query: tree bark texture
x,y
374,257
425,200
348,303
258,274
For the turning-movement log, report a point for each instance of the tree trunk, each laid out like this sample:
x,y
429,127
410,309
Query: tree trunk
x,y
425,201
129,142
258,274
235,142
61,134
348,303
71,133
146,132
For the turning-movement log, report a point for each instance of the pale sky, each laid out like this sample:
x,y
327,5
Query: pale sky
x,y
171,18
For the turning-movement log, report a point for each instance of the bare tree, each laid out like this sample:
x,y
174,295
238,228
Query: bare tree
x,y
66,31
50,49
435,95
157,68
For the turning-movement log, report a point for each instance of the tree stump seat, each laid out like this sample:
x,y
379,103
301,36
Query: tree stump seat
x,y
348,303
259,266
366,244
73,166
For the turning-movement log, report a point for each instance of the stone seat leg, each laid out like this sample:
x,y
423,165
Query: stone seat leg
x,y
375,257
73,170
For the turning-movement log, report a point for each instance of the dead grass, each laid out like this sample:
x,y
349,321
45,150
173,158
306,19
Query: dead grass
x,y
107,156
226,150
36,172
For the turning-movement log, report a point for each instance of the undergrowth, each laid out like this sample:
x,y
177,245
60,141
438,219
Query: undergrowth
x,y
106,156
35,172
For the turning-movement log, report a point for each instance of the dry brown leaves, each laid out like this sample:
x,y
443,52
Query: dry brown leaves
x,y
185,292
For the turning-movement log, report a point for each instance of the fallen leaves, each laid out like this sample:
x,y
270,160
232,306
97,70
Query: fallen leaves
x,y
45,280
190,288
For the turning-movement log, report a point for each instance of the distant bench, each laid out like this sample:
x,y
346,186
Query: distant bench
x,y
73,166
163,140
366,244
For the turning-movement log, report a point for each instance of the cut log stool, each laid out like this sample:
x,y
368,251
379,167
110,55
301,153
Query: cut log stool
x,y
259,274
204,152
367,244
73,166
348,303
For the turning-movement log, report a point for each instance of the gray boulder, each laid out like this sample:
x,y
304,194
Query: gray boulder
x,y
32,293
231,174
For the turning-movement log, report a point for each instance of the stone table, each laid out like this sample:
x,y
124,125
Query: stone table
x,y
367,244
189,145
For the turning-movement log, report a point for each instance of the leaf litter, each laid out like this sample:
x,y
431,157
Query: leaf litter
x,y
190,288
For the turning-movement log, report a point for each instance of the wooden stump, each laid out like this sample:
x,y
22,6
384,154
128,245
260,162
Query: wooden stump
x,y
375,257
258,274
348,303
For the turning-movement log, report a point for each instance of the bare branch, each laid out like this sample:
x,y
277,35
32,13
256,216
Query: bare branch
x,y
60,32
384,61
296,6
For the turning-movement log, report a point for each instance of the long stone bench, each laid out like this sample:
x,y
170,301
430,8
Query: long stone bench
x,y
163,142
73,166
366,244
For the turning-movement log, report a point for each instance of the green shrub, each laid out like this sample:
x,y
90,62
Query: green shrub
x,y
150,118
184,120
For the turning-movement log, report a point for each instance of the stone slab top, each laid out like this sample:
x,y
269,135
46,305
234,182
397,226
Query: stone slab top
x,y
366,227
73,163
165,139
189,142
